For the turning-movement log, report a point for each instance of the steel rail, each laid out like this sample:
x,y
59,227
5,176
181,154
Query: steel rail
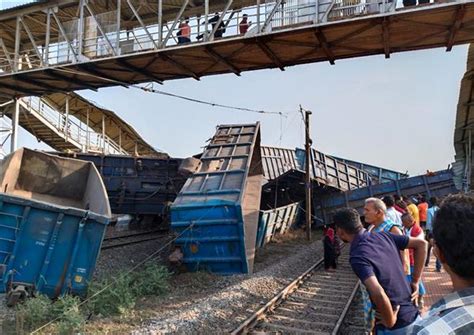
x,y
110,238
253,319
272,304
339,322
118,245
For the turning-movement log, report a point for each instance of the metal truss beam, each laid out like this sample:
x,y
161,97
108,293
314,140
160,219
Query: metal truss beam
x,y
421,38
355,33
270,16
217,57
20,77
142,24
33,8
63,33
386,37
5,51
53,74
325,45
32,40
179,65
421,24
134,68
100,75
455,27
101,30
17,89
270,54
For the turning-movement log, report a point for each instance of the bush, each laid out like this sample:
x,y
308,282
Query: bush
x,y
33,313
152,280
117,296
126,289
37,311
70,317
116,299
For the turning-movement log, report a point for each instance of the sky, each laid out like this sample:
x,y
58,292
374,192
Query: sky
x,y
397,113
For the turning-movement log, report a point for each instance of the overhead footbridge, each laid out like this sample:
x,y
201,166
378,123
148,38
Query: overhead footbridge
x,y
63,46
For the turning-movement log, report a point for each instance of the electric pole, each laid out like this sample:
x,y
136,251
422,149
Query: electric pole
x,y
308,143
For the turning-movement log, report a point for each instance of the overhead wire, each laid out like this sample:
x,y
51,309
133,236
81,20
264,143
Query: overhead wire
x,y
173,95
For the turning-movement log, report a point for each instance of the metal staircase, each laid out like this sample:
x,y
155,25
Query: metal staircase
x,y
59,130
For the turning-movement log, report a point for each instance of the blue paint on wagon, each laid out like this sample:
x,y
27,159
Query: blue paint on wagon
x,y
53,215
216,213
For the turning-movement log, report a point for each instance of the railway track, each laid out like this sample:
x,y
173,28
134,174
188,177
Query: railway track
x,y
125,240
316,302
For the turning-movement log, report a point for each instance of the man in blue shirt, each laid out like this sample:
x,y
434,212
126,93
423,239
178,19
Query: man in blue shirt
x,y
375,259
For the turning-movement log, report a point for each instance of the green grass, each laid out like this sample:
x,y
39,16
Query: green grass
x,y
109,297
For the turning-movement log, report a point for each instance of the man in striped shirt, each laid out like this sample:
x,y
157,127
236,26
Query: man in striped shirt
x,y
453,231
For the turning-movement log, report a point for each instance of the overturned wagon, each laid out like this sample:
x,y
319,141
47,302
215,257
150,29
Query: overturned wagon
x,y
53,214
142,187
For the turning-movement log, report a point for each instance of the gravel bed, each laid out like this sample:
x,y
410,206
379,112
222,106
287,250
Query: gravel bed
x,y
118,260
216,304
354,322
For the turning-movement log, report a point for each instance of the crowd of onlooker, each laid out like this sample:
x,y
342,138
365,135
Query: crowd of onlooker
x,y
391,244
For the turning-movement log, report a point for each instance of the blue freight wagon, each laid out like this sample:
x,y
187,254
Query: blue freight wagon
x,y
437,184
53,215
378,174
277,221
142,187
216,213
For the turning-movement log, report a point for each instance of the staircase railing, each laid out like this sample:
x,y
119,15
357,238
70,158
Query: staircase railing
x,y
70,128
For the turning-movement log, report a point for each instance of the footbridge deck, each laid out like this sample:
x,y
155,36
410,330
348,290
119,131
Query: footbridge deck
x,y
77,45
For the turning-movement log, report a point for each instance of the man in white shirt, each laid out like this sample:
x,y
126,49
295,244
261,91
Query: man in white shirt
x,y
392,214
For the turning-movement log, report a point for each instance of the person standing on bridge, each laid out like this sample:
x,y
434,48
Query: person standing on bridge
x,y
244,25
184,33
220,29
453,231
374,259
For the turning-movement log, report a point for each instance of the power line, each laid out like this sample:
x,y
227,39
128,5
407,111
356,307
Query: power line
x,y
173,95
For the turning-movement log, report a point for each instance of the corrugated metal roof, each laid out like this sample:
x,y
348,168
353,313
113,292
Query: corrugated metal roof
x,y
15,5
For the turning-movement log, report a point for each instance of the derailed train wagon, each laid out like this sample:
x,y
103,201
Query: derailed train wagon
x,y
437,184
216,213
53,214
142,187
275,222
